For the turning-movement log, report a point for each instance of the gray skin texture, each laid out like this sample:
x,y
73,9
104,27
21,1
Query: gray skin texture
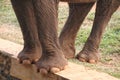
x,y
38,20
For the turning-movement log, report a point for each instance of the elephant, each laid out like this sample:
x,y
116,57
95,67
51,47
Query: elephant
x,y
43,47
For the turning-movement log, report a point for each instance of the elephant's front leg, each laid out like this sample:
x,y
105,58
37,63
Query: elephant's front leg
x,y
25,15
52,59
104,11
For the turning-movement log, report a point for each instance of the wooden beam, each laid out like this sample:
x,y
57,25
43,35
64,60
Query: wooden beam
x,y
28,72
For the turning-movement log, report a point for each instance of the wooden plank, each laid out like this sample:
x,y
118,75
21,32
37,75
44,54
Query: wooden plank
x,y
23,72
28,72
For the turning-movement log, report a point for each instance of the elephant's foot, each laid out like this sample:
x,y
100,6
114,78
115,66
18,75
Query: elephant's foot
x,y
51,62
69,51
29,56
67,48
88,56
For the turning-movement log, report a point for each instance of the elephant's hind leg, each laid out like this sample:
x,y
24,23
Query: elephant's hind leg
x,y
77,14
25,15
104,11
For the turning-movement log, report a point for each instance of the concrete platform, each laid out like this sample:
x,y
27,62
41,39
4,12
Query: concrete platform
x,y
28,72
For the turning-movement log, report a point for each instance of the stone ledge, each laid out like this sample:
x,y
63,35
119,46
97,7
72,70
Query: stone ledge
x,y
28,72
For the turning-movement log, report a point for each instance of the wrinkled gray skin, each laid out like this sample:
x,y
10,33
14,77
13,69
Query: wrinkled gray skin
x,y
38,21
